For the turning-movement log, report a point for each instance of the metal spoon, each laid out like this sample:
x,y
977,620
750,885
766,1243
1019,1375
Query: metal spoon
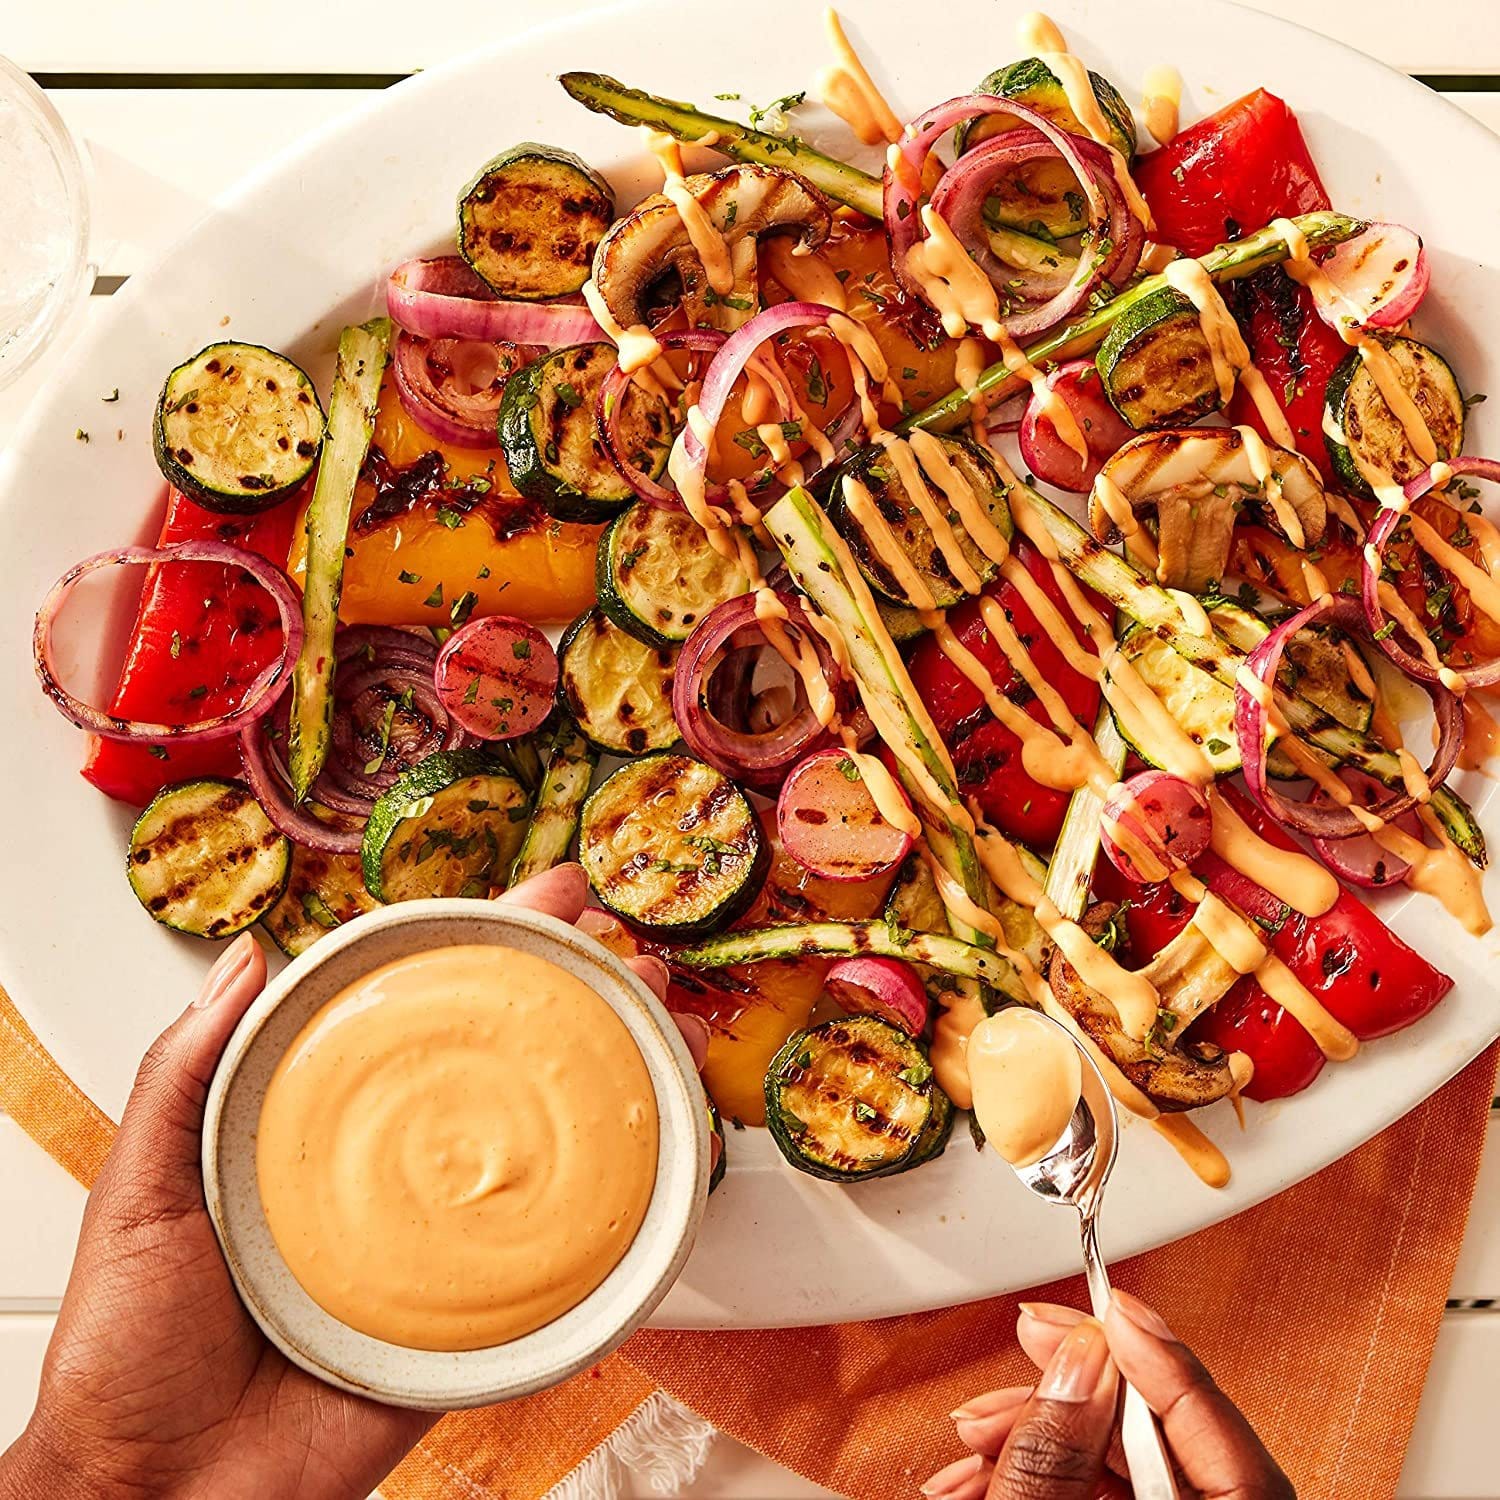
x,y
1074,1173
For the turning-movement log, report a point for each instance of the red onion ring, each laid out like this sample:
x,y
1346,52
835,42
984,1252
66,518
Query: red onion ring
x,y
612,392
295,822
465,419
740,351
260,697
1380,627
964,186
1363,862
347,757
729,364
959,198
444,298
760,760
1251,723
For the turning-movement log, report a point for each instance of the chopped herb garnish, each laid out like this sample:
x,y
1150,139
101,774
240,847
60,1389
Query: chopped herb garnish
x,y
863,1111
81,436
315,909
449,517
521,649
114,395
378,760
435,599
568,395
406,577
463,607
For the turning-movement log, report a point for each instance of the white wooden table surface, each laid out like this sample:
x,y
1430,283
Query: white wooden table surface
x,y
174,104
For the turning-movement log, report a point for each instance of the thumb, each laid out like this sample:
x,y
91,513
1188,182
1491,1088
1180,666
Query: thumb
x,y
1056,1448
1215,1446
153,1168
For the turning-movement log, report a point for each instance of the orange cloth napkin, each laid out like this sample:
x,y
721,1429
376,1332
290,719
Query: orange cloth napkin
x,y
1317,1311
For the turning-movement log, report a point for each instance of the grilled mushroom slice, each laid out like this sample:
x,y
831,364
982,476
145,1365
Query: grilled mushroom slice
x,y
1198,481
742,203
1190,976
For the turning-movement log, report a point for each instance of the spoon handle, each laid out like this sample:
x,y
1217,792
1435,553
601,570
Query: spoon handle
x,y
1145,1452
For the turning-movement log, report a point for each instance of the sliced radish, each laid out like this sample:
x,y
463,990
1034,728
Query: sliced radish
x,y
1360,860
1154,825
497,677
830,825
1078,386
1382,275
883,987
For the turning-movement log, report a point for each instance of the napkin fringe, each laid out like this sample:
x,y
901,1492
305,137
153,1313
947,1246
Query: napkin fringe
x,y
661,1444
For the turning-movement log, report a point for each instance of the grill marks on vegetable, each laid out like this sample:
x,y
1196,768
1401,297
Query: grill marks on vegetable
x,y
672,845
205,859
618,688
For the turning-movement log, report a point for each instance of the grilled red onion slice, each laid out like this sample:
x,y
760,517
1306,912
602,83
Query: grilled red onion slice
x,y
1252,725
729,364
452,387
259,698
964,186
759,760
612,392
617,382
1385,634
443,298
297,823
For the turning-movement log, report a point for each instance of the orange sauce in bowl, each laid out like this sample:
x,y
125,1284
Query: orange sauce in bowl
x,y
458,1148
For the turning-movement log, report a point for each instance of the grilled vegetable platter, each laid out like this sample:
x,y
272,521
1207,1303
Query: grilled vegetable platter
x,y
1049,572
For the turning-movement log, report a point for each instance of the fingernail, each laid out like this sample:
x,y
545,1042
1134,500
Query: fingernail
x,y
1051,1313
1147,1319
1077,1365
229,965
991,1404
953,1476
656,966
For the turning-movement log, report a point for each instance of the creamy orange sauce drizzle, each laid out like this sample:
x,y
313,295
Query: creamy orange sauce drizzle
x,y
1039,36
1161,102
1129,991
1205,1159
1116,505
808,278
636,345
457,1148
709,245
1292,876
848,90
1026,1077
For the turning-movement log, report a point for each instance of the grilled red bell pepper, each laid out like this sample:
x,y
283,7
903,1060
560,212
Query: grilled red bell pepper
x,y
1231,174
1357,967
986,755
202,634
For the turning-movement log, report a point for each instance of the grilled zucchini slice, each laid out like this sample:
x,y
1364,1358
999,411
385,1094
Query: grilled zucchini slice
x,y
1370,440
531,219
657,576
322,892
570,768
617,688
852,1098
450,826
1042,198
874,469
237,428
552,448
205,859
1156,365
673,846
716,1126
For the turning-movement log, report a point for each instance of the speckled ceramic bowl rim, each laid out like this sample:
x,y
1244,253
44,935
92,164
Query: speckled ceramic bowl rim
x,y
431,1380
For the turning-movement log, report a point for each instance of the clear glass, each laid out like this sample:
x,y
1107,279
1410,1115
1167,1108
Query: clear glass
x,y
44,222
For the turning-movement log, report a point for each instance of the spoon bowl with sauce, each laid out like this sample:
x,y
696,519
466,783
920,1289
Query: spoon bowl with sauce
x,y
1044,1106
455,1153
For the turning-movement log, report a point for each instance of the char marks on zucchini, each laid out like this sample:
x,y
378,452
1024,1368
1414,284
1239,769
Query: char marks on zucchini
x,y
552,447
237,427
673,846
854,1098
531,219
205,859
617,688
